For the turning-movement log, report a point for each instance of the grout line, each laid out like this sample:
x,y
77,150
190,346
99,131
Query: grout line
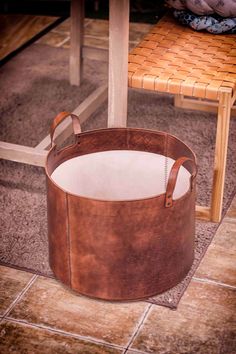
x,y
60,32
65,333
137,328
229,219
88,21
63,42
214,282
96,37
137,351
91,36
20,295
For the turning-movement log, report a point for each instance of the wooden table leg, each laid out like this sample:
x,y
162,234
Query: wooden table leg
x,y
118,62
221,148
76,41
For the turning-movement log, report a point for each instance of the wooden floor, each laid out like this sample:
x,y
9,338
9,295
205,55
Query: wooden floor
x,y
17,30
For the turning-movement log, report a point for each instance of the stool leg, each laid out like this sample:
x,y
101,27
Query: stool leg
x,y
221,147
118,62
178,101
76,41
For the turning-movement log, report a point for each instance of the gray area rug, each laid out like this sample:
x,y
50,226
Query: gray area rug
x,y
34,88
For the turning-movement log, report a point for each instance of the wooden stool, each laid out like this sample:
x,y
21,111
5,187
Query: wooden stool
x,y
116,90
175,59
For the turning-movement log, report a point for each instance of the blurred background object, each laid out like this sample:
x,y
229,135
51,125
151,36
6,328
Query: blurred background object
x,y
140,10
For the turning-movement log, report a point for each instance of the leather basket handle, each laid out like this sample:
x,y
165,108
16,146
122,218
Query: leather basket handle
x,y
173,178
59,118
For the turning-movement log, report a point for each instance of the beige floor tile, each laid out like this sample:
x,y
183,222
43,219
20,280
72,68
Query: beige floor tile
x,y
18,338
231,213
96,42
204,323
12,282
98,28
53,39
49,303
96,33
92,42
219,263
64,27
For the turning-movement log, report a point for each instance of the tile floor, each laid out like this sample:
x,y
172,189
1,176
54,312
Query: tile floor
x,y
39,315
96,34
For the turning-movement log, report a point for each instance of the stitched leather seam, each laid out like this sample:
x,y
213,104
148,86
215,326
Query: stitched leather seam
x,y
68,239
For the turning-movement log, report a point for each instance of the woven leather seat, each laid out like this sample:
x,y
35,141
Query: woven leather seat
x,y
175,59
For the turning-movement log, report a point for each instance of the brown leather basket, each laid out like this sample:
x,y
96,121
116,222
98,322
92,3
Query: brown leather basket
x,y
121,211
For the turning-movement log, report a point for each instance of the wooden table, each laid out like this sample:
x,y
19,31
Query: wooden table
x,y
117,88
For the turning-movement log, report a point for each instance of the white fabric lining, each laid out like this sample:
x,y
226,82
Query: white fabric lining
x,y
119,175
